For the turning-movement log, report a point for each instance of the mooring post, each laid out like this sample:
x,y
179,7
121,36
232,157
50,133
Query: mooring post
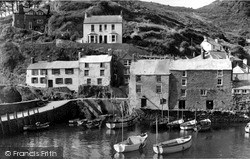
x,y
23,119
8,119
16,119
2,125
35,115
29,117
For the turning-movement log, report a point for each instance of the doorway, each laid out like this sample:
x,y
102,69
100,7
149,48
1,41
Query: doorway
x,y
182,104
50,83
143,102
105,39
209,104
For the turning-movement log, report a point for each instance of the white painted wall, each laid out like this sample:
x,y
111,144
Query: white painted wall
x,y
94,73
209,47
118,30
50,76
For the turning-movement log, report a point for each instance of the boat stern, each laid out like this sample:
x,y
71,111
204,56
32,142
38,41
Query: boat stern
x,y
119,147
157,149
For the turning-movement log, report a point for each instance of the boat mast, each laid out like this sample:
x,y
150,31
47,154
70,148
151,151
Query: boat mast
x,y
156,129
122,119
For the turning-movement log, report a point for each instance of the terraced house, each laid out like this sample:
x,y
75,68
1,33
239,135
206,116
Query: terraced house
x,y
102,29
88,70
202,83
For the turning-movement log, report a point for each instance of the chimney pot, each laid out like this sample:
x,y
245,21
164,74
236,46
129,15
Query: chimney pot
x,y
79,55
205,38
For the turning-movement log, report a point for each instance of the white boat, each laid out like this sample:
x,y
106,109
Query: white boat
x,y
118,123
174,145
175,123
247,127
132,143
188,125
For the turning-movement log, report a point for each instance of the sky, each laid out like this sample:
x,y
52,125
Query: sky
x,y
184,3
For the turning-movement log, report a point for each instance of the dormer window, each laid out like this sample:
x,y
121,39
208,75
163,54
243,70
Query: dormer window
x,y
39,12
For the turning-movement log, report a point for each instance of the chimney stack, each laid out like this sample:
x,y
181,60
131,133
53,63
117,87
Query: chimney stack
x,y
205,38
85,15
217,40
202,54
32,60
245,61
79,55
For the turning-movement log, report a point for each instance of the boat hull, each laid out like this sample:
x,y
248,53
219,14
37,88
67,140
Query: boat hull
x,y
164,148
204,125
175,124
138,142
190,125
120,124
36,127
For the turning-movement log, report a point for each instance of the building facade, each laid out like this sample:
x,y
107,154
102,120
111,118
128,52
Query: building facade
x,y
31,18
53,74
201,83
102,29
209,44
95,70
149,84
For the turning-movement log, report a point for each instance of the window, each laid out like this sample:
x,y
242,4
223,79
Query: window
x,y
127,62
138,78
30,25
138,88
68,80
158,89
244,91
34,80
126,79
183,82
59,81
219,82
100,28
86,72
102,65
55,71
158,78
34,72
88,81
39,21
219,73
99,81
43,72
101,72
203,92
39,13
42,80
86,65
92,28
113,26
69,71
126,71
184,74
113,38
183,92
30,12
237,91
105,27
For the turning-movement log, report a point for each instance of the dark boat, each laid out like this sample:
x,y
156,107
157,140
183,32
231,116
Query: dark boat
x,y
93,124
162,123
121,122
204,125
36,126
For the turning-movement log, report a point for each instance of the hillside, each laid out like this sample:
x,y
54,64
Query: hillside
x,y
148,27
232,16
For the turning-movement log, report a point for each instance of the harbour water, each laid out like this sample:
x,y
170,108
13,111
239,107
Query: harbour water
x,y
223,141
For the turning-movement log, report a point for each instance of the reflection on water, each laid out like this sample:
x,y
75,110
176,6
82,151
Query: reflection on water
x,y
223,141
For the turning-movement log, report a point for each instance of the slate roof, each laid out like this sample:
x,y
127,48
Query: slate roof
x,y
45,11
53,65
96,58
238,69
243,87
218,54
201,64
103,19
150,67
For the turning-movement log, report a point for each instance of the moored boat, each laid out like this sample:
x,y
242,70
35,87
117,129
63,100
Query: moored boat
x,y
175,123
204,125
132,143
247,127
162,123
93,124
119,123
174,145
188,125
36,126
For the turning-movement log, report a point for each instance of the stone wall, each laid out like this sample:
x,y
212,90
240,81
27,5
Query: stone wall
x,y
197,80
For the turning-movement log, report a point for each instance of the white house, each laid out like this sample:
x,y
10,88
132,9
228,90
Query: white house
x,y
53,74
102,29
95,70
209,44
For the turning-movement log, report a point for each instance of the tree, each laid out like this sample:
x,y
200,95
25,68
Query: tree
x,y
241,41
239,52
